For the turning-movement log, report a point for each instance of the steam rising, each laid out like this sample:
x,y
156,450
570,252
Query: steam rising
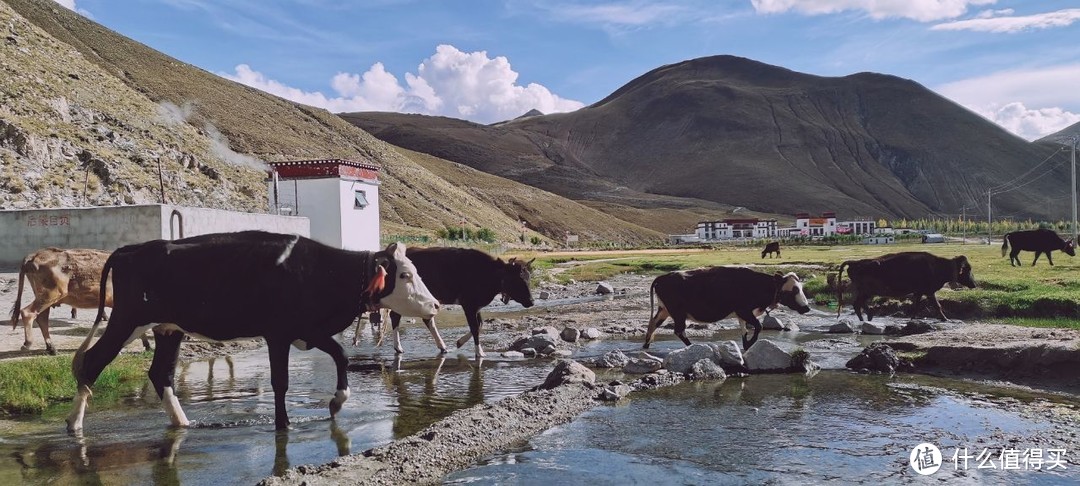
x,y
170,114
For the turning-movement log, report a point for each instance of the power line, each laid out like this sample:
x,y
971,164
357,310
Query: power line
x,y
1029,171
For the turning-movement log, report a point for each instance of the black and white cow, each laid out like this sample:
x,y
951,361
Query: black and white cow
x,y
471,279
286,289
715,293
1039,241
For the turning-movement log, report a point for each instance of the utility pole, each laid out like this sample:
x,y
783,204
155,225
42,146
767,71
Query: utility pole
x,y
988,228
963,225
1076,139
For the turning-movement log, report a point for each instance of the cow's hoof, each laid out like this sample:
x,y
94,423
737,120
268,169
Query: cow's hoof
x,y
442,351
51,350
25,347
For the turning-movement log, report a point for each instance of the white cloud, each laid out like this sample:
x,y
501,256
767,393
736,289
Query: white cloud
x,y
1004,22
467,85
1051,89
69,4
921,10
1030,123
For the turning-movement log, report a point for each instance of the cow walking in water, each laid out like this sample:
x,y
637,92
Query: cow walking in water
x,y
59,276
899,275
771,248
471,279
1039,241
287,289
715,293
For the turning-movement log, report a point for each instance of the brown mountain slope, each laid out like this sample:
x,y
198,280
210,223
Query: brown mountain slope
x,y
116,71
739,132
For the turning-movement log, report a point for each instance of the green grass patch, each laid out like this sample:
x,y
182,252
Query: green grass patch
x,y
1040,292
1048,322
28,386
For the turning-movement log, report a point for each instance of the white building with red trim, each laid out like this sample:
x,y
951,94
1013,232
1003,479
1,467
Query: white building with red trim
x,y
340,198
735,228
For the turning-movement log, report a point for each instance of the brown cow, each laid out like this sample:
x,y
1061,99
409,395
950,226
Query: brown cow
x,y
58,276
901,274
771,248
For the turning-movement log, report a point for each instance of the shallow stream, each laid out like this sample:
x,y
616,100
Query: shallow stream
x,y
770,428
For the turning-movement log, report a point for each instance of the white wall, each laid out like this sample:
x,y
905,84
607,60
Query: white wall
x,y
319,201
110,227
359,227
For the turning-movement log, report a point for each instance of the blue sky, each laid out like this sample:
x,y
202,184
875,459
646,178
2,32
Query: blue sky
x,y
1016,62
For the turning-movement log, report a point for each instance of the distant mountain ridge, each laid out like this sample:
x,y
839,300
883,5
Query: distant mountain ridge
x,y
737,132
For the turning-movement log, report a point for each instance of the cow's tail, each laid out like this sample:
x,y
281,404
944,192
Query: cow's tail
x,y
1005,243
18,298
840,289
652,295
77,361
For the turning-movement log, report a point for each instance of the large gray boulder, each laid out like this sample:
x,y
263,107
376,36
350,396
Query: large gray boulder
x,y
765,355
879,357
604,288
729,353
873,328
568,371
707,369
681,360
570,334
770,323
843,327
611,359
641,366
590,333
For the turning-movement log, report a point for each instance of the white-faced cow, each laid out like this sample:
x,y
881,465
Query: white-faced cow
x,y
59,276
899,275
471,279
771,248
286,289
715,293
1039,241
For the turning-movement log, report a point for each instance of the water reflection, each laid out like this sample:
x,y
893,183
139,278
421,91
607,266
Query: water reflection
x,y
422,400
86,461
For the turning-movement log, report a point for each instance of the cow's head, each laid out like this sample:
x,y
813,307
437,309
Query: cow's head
x,y
791,293
514,281
1069,248
963,272
403,291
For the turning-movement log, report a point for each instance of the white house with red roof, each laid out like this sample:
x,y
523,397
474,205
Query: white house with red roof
x,y
340,197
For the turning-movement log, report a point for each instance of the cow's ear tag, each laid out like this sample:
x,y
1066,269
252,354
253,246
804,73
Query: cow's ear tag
x,y
378,282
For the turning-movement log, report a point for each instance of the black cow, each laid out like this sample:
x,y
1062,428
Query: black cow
x,y
771,248
1039,241
470,278
900,274
286,289
715,293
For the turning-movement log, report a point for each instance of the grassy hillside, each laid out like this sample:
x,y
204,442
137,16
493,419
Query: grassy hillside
x,y
208,133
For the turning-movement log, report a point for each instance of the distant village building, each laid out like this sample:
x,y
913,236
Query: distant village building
x,y
340,197
753,228
736,228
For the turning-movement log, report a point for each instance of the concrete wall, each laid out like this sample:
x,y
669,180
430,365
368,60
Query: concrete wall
x,y
110,227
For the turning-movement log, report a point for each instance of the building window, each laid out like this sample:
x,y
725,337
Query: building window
x,y
360,200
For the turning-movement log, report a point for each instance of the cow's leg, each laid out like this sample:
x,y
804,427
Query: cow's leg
x,y
654,323
1051,260
749,317
395,321
860,305
473,316
43,324
356,331
163,371
430,323
680,327
915,305
331,347
937,305
1037,255
1014,257
87,366
279,379
29,315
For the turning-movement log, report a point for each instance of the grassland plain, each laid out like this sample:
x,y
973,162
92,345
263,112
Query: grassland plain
x,y
1039,296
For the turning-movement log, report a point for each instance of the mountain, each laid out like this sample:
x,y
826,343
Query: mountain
x,y
85,105
1063,136
730,131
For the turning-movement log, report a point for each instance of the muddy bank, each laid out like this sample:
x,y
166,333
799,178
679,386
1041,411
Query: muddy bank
x,y
452,443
